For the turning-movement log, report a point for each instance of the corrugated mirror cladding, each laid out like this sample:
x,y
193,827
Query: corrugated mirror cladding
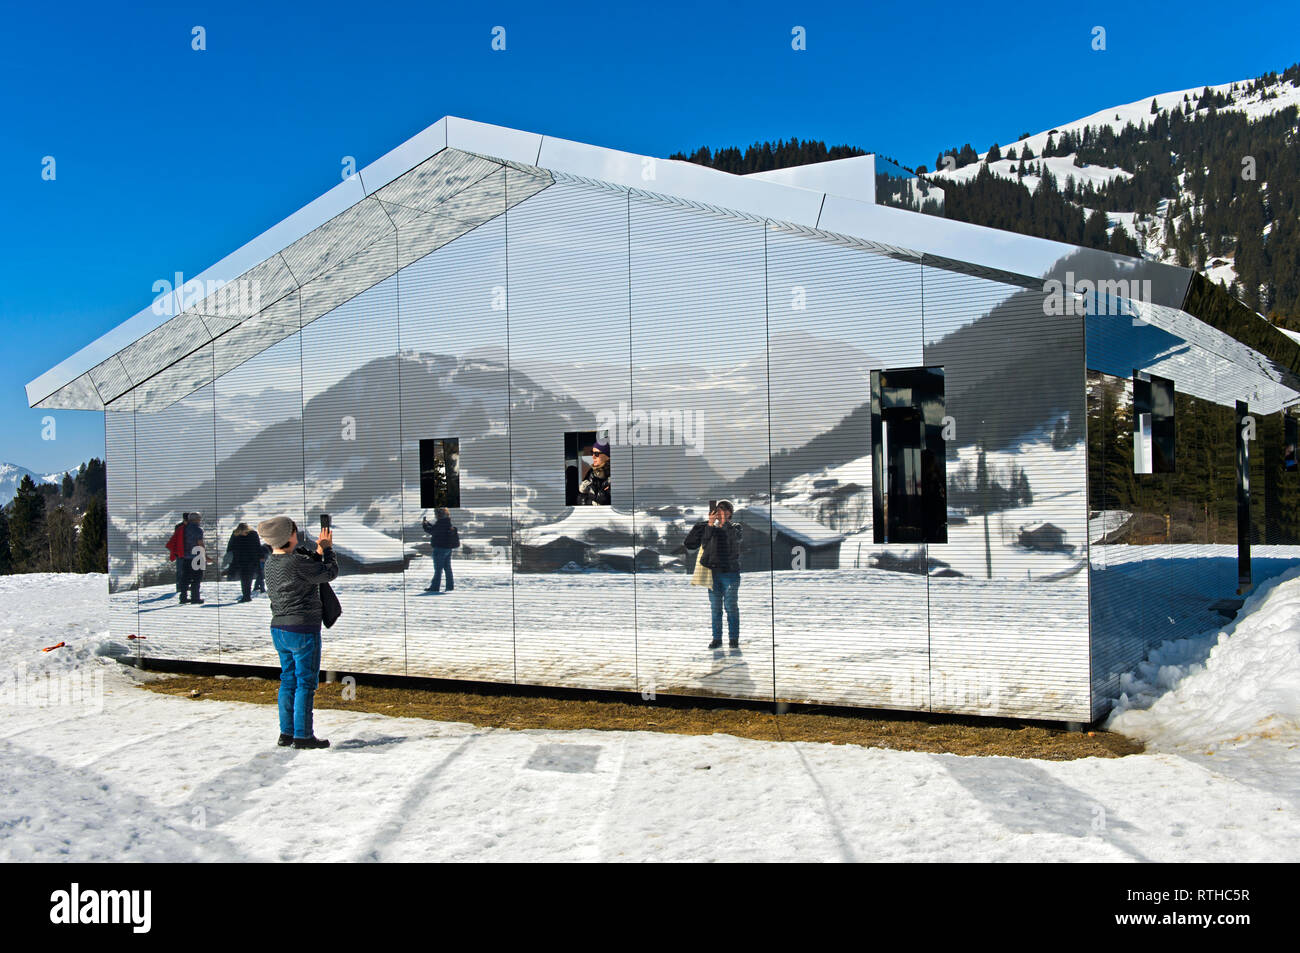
x,y
1166,560
722,357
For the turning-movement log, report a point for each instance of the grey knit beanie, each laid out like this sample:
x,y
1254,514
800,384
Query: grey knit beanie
x,y
276,531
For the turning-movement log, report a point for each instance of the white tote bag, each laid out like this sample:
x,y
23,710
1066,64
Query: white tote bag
x,y
703,575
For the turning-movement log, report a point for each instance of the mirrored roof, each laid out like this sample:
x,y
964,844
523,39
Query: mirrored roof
x,y
454,176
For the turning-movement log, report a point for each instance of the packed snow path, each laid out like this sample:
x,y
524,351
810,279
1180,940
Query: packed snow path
x,y
143,776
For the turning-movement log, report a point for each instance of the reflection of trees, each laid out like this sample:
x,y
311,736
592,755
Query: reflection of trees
x,y
989,488
1197,503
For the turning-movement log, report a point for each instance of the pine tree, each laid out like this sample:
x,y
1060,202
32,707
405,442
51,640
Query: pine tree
x,y
6,554
92,544
61,539
26,529
68,486
95,477
1095,233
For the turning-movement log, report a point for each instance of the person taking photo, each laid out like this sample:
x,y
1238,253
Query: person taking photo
x,y
293,583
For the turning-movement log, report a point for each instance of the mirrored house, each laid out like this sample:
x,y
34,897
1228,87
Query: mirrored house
x,y
972,471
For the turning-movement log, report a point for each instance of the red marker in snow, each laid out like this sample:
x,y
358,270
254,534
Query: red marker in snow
x,y
134,636
53,647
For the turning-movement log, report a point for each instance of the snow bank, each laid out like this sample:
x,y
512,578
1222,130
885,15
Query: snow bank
x,y
1226,685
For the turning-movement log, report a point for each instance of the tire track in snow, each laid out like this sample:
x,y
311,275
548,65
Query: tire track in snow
x,y
389,830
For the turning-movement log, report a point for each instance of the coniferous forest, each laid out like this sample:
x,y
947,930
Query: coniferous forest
x,y
57,527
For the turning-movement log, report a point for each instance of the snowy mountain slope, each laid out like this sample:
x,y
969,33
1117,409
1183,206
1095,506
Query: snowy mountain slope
x,y
1137,113
1150,230
11,475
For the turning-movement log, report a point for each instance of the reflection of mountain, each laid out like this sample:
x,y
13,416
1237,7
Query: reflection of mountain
x,y
1010,371
237,426
469,393
734,394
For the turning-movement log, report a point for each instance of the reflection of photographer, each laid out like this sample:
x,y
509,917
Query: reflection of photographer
x,y
594,488
718,540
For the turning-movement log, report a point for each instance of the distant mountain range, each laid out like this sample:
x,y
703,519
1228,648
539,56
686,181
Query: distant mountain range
x,y
11,475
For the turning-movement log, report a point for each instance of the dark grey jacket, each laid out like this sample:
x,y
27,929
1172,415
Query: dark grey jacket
x,y
719,545
293,583
594,489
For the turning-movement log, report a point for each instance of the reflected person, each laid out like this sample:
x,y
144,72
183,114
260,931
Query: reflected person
x,y
718,541
176,553
594,488
293,583
259,584
245,548
445,538
196,559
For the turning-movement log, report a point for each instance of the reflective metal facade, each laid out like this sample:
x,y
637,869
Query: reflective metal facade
x,y
1167,547
726,356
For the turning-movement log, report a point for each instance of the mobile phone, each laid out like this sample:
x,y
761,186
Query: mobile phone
x,y
713,505
324,521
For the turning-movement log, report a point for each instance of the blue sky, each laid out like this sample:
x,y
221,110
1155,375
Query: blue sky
x,y
167,158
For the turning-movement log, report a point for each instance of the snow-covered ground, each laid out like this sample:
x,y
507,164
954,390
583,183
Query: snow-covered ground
x,y
92,768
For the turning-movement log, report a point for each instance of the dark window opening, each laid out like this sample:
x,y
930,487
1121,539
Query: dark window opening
x,y
440,472
908,456
586,469
1153,423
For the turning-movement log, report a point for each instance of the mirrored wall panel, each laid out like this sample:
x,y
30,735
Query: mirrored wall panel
x,y
352,471
567,252
695,429
1009,589
851,614
176,535
123,580
259,443
456,457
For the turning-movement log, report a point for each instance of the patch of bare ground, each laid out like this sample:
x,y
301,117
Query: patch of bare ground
x,y
531,709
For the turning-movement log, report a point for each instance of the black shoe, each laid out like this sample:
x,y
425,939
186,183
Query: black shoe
x,y
184,600
312,742
285,741
733,644
715,644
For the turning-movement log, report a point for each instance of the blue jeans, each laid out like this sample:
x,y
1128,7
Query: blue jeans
x,y
724,593
441,561
299,673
